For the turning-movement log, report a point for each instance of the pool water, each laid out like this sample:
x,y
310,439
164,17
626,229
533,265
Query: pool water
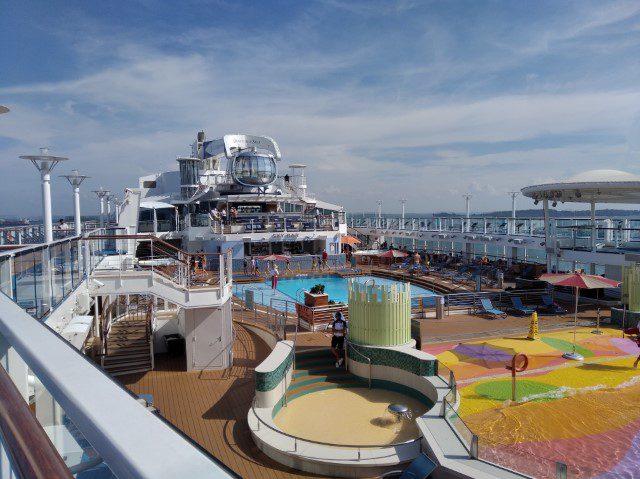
x,y
335,286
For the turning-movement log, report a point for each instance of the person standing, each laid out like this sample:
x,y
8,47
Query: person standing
x,y
313,263
287,263
339,330
325,258
245,265
274,276
223,216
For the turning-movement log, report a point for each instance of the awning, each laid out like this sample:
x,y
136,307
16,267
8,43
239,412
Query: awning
x,y
155,205
349,240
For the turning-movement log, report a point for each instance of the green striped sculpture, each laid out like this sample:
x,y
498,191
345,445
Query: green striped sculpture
x,y
631,287
379,315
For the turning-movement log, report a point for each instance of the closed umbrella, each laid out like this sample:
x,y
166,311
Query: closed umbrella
x,y
578,281
274,257
393,253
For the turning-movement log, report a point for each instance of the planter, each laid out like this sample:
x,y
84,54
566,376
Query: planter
x,y
315,299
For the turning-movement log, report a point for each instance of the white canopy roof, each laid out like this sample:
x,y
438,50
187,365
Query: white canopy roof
x,y
598,186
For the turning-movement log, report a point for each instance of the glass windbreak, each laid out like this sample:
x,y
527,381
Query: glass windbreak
x,y
458,425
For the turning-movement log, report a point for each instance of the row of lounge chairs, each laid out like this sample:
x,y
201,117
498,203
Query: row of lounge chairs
x,y
548,307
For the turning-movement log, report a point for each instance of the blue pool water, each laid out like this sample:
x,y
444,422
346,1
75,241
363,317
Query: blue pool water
x,y
334,286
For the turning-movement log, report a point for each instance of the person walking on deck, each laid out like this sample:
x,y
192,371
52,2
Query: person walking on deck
x,y
339,330
274,276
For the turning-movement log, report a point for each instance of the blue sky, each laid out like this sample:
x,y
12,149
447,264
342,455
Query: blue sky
x,y
383,100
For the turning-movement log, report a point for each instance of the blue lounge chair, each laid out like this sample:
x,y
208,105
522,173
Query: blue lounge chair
x,y
488,309
551,307
420,468
519,307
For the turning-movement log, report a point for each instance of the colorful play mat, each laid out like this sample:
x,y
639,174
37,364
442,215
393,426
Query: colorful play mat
x,y
585,414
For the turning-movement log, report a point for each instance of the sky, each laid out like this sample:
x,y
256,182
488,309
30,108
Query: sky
x,y
382,100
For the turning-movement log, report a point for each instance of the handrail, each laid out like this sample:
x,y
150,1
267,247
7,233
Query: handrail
x,y
107,414
32,453
362,355
322,443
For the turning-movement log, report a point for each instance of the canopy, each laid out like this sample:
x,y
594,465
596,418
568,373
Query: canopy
x,y
393,253
578,281
349,240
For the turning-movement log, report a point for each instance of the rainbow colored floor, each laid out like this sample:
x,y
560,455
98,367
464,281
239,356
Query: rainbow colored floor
x,y
585,414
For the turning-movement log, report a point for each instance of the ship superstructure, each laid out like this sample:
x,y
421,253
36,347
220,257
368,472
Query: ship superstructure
x,y
231,194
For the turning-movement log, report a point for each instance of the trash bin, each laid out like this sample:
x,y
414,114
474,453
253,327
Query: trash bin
x,y
249,299
175,345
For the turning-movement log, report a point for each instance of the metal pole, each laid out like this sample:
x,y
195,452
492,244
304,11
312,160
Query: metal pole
x,y
76,209
46,204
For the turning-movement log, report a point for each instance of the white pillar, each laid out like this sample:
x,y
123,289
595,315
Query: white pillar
x,y
547,235
102,212
76,209
46,205
593,235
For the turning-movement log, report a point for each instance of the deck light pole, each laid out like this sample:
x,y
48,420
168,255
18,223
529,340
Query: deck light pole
x,y
45,162
102,194
118,204
74,180
513,210
467,198
109,198
403,201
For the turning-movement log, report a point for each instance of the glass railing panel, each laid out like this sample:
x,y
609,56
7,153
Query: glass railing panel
x,y
57,272
458,425
6,275
513,457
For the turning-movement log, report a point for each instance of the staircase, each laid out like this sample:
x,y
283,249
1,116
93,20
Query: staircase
x,y
316,371
128,345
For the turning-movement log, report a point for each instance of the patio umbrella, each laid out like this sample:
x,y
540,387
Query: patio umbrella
x,y
484,354
393,253
349,240
578,281
274,257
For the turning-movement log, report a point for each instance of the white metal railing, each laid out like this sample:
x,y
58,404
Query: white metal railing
x,y
77,394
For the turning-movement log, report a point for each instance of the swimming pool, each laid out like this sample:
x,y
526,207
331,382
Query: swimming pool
x,y
335,286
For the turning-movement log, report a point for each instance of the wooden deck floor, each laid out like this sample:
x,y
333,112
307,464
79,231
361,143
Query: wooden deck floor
x,y
211,407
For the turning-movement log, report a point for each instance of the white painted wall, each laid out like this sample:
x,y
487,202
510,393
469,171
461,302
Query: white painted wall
x,y
208,336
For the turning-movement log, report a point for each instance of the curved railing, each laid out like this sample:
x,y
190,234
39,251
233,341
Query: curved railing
x,y
357,447
367,358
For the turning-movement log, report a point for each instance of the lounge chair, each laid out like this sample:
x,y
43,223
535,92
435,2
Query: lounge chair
x,y
520,308
488,309
550,307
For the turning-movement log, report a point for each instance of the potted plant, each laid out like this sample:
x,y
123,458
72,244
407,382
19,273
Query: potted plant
x,y
315,296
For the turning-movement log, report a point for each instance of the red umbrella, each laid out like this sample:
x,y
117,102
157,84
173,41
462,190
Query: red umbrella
x,y
578,281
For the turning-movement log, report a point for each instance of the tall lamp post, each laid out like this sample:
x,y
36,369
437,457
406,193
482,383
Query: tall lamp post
x,y
513,210
102,194
74,180
467,199
45,162
109,198
403,201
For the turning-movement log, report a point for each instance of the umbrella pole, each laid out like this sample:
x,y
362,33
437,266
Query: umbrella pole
x,y
574,355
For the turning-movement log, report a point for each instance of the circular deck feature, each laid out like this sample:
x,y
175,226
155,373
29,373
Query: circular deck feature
x,y
349,416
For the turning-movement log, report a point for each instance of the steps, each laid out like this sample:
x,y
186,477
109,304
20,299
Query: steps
x,y
129,349
316,371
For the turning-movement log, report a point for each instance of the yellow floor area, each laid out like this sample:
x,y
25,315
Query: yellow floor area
x,y
349,416
585,414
